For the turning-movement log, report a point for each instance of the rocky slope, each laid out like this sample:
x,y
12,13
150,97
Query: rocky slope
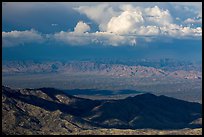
x,y
51,111
187,131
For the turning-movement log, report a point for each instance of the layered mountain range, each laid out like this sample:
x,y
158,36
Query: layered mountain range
x,y
52,111
87,67
181,80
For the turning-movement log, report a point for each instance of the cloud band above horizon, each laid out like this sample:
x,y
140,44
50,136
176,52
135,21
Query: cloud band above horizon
x,y
116,27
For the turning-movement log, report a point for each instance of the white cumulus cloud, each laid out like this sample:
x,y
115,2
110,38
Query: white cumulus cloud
x,y
149,30
157,16
84,37
177,31
15,38
121,24
81,27
100,13
195,21
125,23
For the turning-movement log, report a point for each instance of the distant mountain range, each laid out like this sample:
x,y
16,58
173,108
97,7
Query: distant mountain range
x,y
87,67
51,111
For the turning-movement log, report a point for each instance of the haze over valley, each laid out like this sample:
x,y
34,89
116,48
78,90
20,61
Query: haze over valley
x,y
181,81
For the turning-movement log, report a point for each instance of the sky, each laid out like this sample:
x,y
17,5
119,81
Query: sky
x,y
68,30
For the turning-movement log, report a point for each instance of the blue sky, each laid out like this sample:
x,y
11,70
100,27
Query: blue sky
x,y
79,30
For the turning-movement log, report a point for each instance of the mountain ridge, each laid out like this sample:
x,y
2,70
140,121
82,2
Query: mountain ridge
x,y
144,111
88,67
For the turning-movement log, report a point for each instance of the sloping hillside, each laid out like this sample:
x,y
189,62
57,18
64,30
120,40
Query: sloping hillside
x,y
51,111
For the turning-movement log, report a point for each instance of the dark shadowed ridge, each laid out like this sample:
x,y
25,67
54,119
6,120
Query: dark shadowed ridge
x,y
141,111
79,106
